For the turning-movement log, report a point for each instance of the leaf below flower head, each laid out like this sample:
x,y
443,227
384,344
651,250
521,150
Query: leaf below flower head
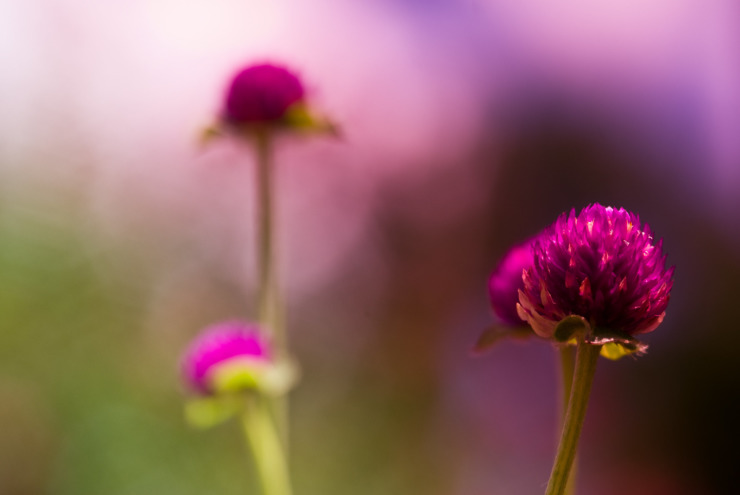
x,y
240,374
615,351
299,117
205,412
233,384
210,134
614,344
495,333
617,344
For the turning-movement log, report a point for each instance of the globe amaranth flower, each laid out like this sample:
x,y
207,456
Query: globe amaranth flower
x,y
503,290
506,282
600,271
230,357
262,94
264,98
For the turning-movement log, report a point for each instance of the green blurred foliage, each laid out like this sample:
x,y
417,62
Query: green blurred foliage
x,y
90,399
85,409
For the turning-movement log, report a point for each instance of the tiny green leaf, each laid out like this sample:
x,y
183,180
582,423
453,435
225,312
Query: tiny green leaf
x,y
299,117
614,351
206,412
617,344
209,134
495,333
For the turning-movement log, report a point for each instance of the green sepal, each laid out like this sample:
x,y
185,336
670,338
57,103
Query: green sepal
x,y
279,378
270,378
571,327
616,344
299,117
235,375
205,412
495,333
210,134
614,351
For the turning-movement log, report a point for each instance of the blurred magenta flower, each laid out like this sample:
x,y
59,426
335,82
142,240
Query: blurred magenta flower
x,y
601,271
503,289
231,366
262,94
506,282
225,348
264,98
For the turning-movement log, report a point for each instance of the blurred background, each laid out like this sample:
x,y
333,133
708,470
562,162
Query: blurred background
x,y
467,126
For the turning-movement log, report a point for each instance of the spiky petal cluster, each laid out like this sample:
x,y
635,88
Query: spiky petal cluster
x,y
506,282
601,265
221,346
261,94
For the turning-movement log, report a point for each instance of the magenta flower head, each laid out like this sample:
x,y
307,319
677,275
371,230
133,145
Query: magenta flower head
x,y
264,98
223,346
600,273
262,94
506,282
230,357
503,288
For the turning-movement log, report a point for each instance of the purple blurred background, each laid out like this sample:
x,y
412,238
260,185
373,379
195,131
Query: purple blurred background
x,y
467,126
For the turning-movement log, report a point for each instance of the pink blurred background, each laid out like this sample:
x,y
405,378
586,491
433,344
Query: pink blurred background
x,y
466,127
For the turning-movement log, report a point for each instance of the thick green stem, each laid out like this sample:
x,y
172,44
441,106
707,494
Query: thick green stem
x,y
586,359
567,367
267,448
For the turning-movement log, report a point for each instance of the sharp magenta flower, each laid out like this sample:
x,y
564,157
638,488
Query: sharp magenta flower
x,y
262,94
506,282
602,267
225,350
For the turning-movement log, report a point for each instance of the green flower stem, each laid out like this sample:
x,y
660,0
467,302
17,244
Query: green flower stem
x,y
267,448
269,301
270,306
586,359
567,366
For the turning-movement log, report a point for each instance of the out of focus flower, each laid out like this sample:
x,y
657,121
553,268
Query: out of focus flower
x,y
226,361
266,97
506,282
503,288
599,273
231,357
262,94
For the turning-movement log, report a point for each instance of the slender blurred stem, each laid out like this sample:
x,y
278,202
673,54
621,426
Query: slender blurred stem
x,y
267,448
270,307
567,366
586,359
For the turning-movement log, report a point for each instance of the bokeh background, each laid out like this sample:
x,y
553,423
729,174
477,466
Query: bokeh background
x,y
466,127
